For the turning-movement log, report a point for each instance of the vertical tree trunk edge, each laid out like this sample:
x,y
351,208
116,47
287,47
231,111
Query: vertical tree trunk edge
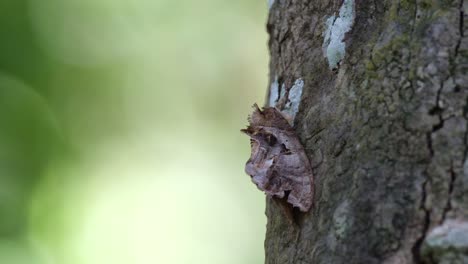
x,y
383,117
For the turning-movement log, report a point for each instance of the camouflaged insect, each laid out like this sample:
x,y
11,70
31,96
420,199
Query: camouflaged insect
x,y
278,164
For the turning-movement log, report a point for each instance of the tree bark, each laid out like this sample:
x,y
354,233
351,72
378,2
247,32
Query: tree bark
x,y
385,125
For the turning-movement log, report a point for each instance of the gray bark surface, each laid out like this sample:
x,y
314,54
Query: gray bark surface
x,y
386,132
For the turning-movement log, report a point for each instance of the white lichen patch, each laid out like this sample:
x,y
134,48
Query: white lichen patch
x,y
451,235
342,219
294,98
336,28
289,106
270,3
274,92
447,243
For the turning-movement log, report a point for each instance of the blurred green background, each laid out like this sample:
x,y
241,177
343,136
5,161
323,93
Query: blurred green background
x,y
119,131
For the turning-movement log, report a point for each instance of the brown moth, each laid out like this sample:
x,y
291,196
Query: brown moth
x,y
278,164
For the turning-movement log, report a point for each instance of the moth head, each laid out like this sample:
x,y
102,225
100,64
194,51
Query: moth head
x,y
269,117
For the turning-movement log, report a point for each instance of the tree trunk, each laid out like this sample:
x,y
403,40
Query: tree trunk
x,y
384,119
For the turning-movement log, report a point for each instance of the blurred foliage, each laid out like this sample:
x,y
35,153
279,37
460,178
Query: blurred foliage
x,y
119,126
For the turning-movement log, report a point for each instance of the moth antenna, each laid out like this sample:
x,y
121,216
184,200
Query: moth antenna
x,y
257,109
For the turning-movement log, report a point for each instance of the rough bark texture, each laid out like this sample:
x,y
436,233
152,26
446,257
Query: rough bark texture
x,y
387,132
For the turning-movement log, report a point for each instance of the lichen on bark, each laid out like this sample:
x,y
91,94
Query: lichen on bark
x,y
386,132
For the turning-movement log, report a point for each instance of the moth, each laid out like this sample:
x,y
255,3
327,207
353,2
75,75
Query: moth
x,y
278,164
